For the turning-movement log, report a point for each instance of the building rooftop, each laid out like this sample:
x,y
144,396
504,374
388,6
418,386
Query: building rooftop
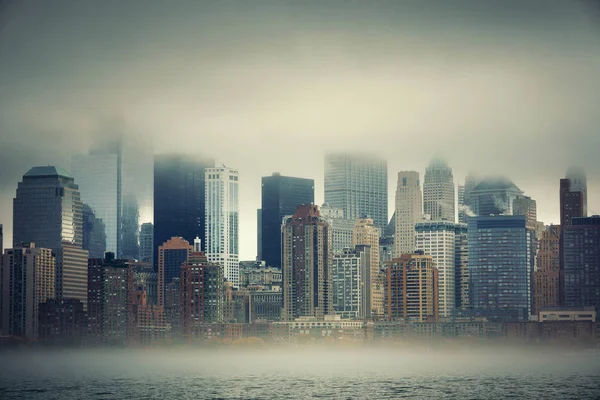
x,y
47,171
496,183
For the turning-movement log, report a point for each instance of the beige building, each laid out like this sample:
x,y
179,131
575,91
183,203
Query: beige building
x,y
28,279
409,210
307,264
367,234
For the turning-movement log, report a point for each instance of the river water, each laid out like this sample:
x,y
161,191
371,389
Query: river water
x,y
300,374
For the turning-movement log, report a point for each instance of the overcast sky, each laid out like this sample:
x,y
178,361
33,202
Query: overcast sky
x,y
506,87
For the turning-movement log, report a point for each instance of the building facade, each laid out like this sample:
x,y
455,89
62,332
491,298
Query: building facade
x,y
578,181
546,279
171,256
412,287
461,267
146,243
99,176
222,220
409,210
281,195
438,192
341,228
71,273
581,252
130,228
351,280
367,234
307,265
179,196
438,239
94,233
501,258
526,206
358,185
27,275
494,196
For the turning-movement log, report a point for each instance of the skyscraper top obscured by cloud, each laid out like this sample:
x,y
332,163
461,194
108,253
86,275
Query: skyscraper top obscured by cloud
x,y
494,195
578,184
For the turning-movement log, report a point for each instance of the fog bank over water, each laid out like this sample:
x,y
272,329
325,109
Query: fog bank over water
x,y
301,373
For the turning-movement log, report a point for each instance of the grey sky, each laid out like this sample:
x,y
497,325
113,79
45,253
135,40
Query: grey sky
x,y
496,87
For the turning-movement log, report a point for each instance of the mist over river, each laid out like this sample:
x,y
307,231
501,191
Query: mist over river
x,y
300,373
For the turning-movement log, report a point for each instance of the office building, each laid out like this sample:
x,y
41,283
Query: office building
x,y
62,322
367,234
462,212
578,181
526,206
146,243
146,279
581,252
94,233
202,291
340,227
409,210
171,256
117,289
438,240
95,298
307,265
494,196
48,211
412,287
130,229
99,176
358,185
571,206
264,305
267,278
546,278
461,267
281,195
222,220
27,275
501,258
438,192
351,280
179,197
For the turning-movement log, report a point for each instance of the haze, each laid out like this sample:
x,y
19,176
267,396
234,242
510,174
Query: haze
x,y
263,86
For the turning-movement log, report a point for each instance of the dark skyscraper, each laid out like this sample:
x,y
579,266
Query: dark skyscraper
x,y
281,195
94,233
571,206
130,229
179,197
581,262
493,196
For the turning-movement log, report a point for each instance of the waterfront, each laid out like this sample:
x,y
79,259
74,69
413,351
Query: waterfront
x,y
300,373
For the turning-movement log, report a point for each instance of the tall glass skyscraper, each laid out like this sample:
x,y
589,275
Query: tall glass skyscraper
x,y
438,192
222,220
99,178
493,196
281,195
501,259
358,185
179,197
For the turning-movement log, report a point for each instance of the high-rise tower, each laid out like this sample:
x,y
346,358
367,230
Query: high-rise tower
x,y
578,184
222,220
358,185
438,192
307,265
409,210
367,234
281,195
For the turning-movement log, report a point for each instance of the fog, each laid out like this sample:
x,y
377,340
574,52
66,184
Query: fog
x,y
507,87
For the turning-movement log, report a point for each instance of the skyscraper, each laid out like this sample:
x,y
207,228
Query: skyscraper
x,y
307,265
171,256
581,252
130,229
412,288
94,233
494,196
546,279
358,185
367,234
281,195
438,239
47,209
27,275
222,220
341,228
462,212
461,267
571,206
501,258
578,184
146,243
117,290
438,192
351,280
179,197
99,176
409,210
524,205
201,294
48,212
